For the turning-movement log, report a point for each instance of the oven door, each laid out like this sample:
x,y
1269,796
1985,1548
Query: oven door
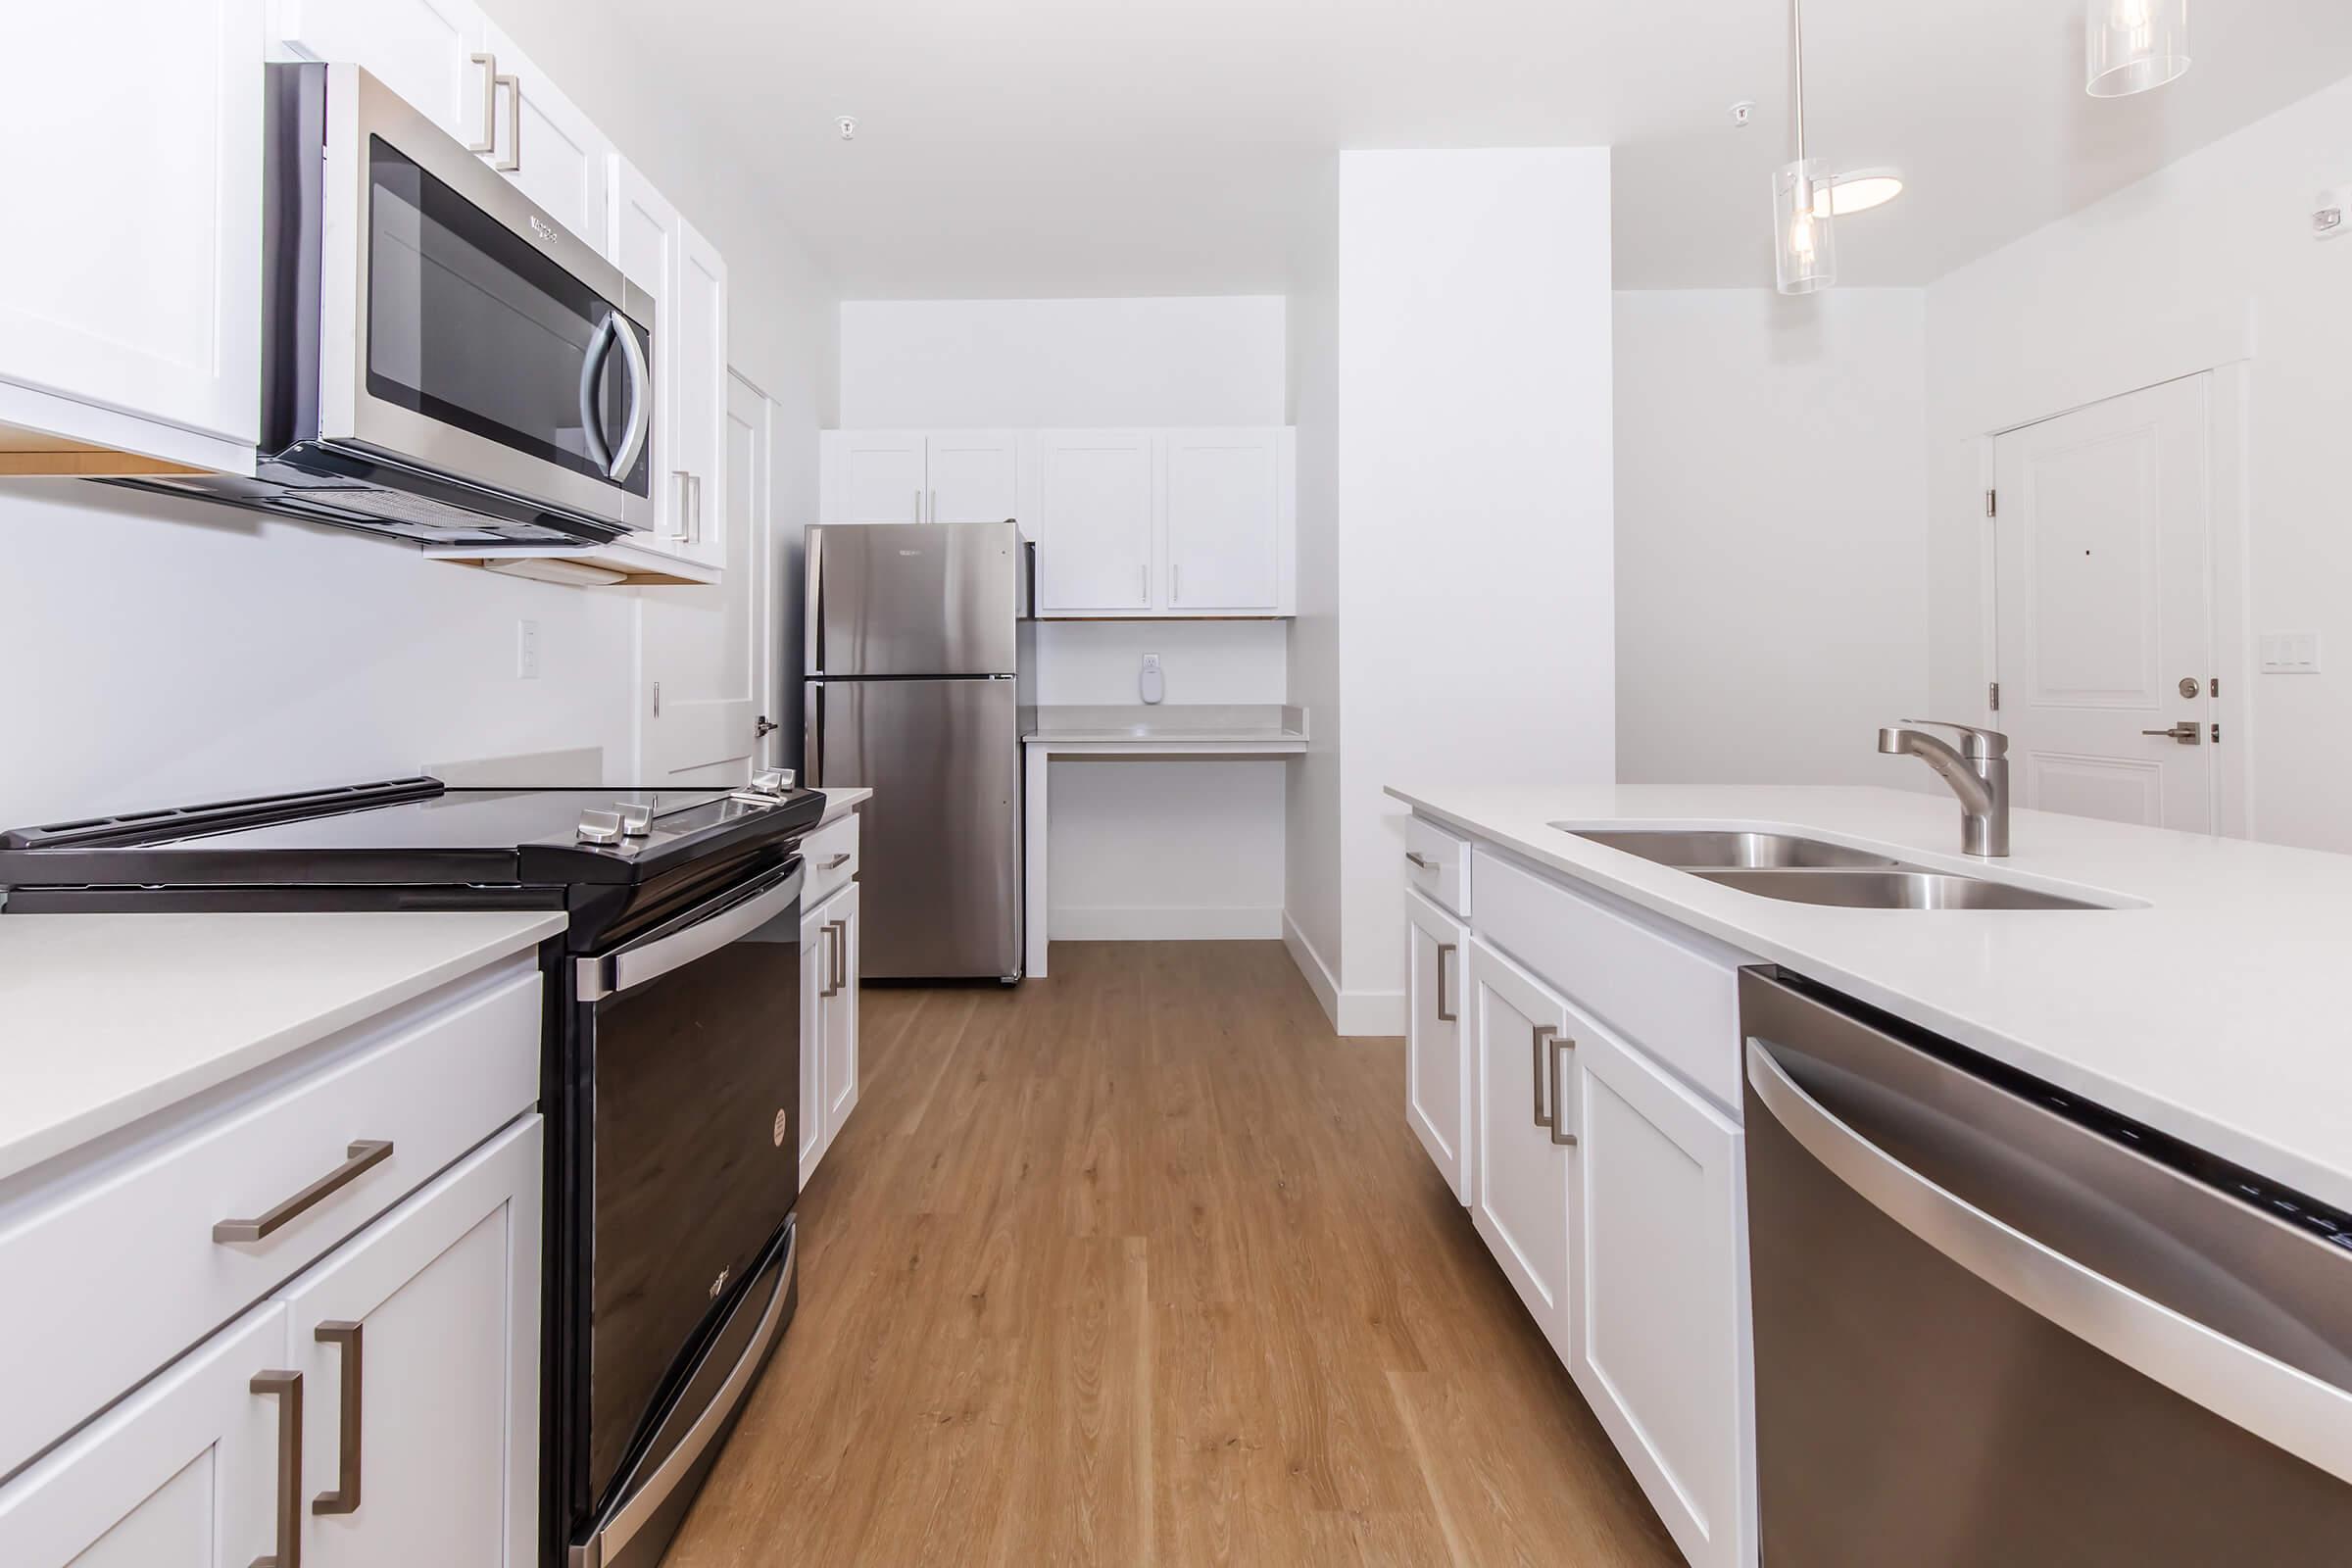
x,y
467,334
693,1054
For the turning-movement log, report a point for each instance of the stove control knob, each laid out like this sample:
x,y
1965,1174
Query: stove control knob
x,y
771,781
636,820
600,827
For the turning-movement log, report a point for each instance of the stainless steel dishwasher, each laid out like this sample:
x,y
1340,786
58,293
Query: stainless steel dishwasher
x,y
1996,1325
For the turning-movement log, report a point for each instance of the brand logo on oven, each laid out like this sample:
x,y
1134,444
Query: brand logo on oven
x,y
541,228
720,1283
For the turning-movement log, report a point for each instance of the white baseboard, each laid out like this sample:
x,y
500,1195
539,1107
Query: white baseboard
x,y
1164,923
1371,1013
1319,978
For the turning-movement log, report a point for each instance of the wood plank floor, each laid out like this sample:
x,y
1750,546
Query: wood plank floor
x,y
1139,1265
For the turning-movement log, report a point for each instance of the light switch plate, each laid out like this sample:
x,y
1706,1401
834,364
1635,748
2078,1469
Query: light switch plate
x,y
526,650
2290,653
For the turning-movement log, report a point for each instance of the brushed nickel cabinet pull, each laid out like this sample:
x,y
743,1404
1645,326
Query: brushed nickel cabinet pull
x,y
513,162
362,1156
1421,861
840,954
286,1387
828,988
837,863
1445,950
1561,1044
1544,1032
345,1497
489,141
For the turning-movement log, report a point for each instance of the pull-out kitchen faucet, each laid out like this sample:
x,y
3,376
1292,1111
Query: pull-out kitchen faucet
x,y
1978,772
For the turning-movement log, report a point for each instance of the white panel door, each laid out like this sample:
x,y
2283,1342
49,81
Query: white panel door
x,y
1224,509
428,1324
430,52
2103,542
1522,1195
875,476
698,358
1096,521
974,476
712,650
133,275
182,1474
817,982
1437,1077
1661,1342
543,143
841,1011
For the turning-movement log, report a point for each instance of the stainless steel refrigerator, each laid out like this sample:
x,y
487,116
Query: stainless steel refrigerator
x,y
920,650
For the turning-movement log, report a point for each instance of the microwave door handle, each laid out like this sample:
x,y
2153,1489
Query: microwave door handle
x,y
592,375
614,972
641,397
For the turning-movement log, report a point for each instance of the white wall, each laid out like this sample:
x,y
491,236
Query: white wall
x,y
1471,456
170,651
2207,261
1771,580
1140,850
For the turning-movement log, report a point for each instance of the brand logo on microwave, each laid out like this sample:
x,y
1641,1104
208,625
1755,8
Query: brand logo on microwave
x,y
541,228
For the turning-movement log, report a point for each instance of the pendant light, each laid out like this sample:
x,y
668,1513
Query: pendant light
x,y
2133,46
1805,256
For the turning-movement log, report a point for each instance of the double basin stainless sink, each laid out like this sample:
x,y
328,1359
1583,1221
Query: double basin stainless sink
x,y
1802,870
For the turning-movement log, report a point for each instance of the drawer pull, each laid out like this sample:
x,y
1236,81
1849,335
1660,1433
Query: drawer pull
x,y
1536,1042
1421,861
364,1155
345,1498
1561,1044
1445,950
837,863
287,1510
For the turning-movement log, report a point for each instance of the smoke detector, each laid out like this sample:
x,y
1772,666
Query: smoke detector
x,y
1743,113
847,124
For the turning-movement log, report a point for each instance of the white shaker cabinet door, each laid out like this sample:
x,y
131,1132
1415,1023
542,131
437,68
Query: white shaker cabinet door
x,y
1661,1344
875,476
131,282
816,981
974,476
424,1332
1522,1189
1226,545
1437,1077
697,346
433,53
841,1016
183,1474
542,142
1097,522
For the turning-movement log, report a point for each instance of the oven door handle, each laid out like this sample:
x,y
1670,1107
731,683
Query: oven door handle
x,y
641,399
736,915
2276,1402
592,374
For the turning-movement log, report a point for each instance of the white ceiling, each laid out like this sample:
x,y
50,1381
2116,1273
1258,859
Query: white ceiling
x,y
1107,147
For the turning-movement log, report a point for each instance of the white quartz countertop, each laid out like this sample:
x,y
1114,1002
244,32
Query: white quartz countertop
x,y
105,1019
1192,724
2221,1012
840,802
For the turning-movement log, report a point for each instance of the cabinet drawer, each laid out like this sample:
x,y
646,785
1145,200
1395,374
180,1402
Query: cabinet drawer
x,y
1674,995
1437,864
832,855
116,1271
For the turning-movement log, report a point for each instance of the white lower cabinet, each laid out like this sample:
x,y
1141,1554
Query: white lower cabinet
x,y
829,1067
418,1346
1437,1074
1660,1340
1522,1192
181,1474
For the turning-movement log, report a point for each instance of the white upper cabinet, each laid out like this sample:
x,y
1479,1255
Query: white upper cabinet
x,y
1128,523
546,146
130,290
974,476
1097,522
1227,521
431,52
660,253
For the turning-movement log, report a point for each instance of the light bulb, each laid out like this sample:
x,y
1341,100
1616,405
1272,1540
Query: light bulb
x,y
2133,46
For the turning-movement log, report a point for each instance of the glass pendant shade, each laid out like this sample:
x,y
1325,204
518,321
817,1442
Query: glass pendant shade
x,y
1804,245
2133,46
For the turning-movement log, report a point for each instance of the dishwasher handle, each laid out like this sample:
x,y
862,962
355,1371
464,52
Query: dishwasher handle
x,y
2306,1416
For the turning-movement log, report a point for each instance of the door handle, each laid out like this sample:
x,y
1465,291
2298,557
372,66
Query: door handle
x,y
345,1497
836,862
918,504
1545,1033
1445,950
489,141
2188,732
361,1156
287,1510
511,164
1561,1044
1421,861
840,954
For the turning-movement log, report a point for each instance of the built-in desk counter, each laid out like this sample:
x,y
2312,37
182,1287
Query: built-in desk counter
x,y
1139,733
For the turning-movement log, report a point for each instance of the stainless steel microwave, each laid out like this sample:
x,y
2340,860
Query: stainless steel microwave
x,y
441,361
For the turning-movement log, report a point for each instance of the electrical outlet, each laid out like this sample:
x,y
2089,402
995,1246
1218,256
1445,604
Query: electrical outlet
x,y
526,650
1153,684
